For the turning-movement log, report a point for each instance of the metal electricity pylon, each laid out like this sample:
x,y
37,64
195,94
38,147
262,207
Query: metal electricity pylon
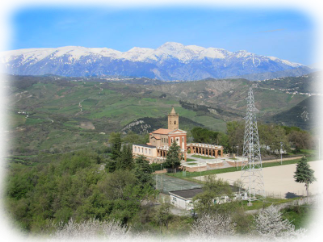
x,y
251,171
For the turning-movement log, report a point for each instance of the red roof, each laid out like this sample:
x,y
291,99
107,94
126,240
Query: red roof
x,y
162,131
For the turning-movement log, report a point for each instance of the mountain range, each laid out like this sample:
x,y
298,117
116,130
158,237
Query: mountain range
x,y
171,61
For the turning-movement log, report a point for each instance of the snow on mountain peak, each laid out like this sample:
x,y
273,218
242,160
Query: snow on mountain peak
x,y
138,54
171,46
169,50
286,62
242,53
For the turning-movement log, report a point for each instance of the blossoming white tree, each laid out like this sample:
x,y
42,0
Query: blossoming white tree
x,y
94,231
208,226
270,224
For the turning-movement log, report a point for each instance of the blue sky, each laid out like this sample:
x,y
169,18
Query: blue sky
x,y
279,32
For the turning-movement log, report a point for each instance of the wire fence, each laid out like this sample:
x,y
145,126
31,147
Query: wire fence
x,y
166,184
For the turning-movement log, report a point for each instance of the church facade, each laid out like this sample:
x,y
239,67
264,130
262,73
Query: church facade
x,y
161,139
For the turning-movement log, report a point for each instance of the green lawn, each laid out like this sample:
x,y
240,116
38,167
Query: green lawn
x,y
189,159
202,157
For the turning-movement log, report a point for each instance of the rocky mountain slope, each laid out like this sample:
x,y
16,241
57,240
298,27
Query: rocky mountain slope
x,y
171,61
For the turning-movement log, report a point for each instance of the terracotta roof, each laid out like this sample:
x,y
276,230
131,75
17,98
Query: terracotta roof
x,y
146,145
178,131
162,131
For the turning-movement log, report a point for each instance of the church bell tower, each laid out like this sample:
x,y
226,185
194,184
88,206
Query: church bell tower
x,y
173,120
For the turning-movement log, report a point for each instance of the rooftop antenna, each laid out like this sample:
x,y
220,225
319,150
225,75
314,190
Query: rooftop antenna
x,y
251,171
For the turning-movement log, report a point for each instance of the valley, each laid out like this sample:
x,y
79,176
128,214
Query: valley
x,y
59,114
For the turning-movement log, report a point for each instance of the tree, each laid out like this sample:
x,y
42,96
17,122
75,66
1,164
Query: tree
x,y
173,159
213,188
235,131
143,171
304,174
300,140
91,230
269,223
115,140
125,161
271,135
203,135
211,226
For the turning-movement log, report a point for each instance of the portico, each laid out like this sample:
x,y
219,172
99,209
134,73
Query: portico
x,y
205,149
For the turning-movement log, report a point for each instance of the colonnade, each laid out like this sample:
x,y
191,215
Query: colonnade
x,y
207,150
161,153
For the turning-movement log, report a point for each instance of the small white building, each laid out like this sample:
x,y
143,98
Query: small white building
x,y
184,198
146,150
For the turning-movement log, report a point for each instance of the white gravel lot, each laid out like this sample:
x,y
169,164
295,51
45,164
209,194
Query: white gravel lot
x,y
279,180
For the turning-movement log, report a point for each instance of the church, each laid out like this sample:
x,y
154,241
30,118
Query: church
x,y
161,139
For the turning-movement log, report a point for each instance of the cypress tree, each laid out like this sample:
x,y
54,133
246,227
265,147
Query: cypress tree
x,y
116,146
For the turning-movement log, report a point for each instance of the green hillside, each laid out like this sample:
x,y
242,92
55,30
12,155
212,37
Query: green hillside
x,y
56,114
310,83
59,116
307,115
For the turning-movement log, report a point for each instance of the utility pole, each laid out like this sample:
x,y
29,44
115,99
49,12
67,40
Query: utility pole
x,y
281,153
251,171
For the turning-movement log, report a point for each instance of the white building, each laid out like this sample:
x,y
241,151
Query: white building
x,y
184,198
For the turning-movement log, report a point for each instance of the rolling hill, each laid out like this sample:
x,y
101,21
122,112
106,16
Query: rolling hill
x,y
308,114
310,83
61,114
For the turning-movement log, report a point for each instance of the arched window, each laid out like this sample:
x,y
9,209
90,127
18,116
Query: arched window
x,y
174,122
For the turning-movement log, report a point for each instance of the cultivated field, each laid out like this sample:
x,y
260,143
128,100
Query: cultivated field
x,y
279,180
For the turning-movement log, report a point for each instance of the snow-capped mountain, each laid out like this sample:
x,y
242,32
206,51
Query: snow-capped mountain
x,y
171,61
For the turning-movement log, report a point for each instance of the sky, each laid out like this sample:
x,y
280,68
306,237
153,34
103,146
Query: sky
x,y
278,32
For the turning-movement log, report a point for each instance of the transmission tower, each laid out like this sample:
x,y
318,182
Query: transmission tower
x,y
251,171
